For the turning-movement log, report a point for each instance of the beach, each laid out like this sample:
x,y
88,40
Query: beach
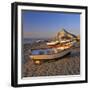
x,y
68,65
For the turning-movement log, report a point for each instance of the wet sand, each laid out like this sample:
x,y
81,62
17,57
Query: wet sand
x,y
68,65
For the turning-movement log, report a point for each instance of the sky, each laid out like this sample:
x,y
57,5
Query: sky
x,y
36,24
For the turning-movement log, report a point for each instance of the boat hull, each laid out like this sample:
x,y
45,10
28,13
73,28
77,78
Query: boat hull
x,y
50,56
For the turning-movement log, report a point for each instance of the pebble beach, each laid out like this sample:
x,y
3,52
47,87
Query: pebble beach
x,y
68,65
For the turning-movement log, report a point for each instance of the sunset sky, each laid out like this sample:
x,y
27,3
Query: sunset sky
x,y
38,24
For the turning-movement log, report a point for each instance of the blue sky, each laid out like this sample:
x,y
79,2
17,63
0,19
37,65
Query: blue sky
x,y
38,24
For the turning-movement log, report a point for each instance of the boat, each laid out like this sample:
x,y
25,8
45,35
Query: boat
x,y
38,58
52,43
62,46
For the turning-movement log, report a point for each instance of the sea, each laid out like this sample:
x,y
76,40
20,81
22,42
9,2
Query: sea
x,y
33,40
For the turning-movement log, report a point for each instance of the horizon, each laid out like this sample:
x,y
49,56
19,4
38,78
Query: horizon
x,y
45,37
38,24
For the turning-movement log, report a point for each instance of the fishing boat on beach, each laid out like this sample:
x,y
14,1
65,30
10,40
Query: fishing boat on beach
x,y
57,48
50,55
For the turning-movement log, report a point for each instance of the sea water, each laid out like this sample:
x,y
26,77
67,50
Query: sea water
x,y
33,40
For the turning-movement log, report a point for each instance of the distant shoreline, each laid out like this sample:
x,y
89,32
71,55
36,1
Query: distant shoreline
x,y
33,40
